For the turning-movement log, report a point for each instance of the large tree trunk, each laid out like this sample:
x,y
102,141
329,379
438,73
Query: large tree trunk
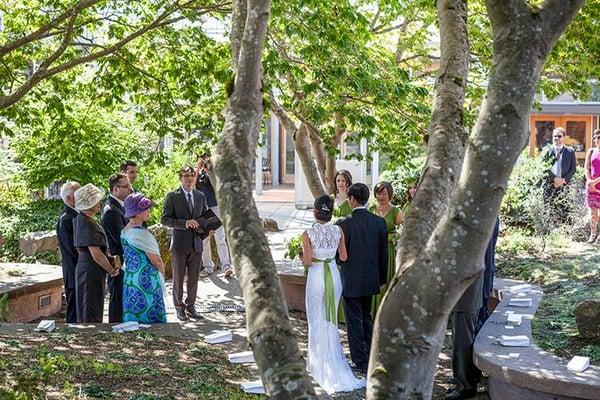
x,y
410,325
307,160
270,333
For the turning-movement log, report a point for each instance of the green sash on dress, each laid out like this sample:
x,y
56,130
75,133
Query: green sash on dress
x,y
330,311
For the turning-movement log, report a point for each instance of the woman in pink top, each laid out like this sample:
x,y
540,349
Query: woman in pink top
x,y
592,177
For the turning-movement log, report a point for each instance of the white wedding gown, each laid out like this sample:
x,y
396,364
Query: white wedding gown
x,y
326,361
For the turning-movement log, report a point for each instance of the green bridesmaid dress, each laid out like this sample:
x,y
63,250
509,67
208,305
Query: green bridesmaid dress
x,y
341,211
390,222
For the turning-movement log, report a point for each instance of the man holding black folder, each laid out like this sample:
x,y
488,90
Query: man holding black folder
x,y
185,210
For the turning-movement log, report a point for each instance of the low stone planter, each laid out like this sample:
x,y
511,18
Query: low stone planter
x,y
34,290
37,242
527,373
293,283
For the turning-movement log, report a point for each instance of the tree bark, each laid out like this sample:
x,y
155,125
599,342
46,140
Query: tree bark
x,y
407,342
307,160
302,145
270,333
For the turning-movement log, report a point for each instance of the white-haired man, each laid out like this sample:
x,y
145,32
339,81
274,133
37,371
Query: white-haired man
x,y
64,231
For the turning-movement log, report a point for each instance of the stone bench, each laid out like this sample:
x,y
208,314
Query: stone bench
x,y
293,283
34,290
534,374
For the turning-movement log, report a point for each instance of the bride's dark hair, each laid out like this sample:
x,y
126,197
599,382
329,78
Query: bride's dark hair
x,y
323,208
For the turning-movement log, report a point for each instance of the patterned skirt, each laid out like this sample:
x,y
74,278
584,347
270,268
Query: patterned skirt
x,y
142,289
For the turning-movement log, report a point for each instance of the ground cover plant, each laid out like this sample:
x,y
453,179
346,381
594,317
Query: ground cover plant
x,y
568,272
68,364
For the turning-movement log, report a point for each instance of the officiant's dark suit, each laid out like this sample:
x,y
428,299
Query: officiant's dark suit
x,y
181,206
363,273
562,163
68,253
113,221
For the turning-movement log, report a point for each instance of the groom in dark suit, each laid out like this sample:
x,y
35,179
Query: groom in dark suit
x,y
363,273
182,210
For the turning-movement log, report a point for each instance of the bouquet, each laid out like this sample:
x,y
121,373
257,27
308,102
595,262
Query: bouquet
x,y
294,248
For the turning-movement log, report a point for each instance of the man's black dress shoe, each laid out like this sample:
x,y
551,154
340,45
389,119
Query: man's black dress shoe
x,y
191,311
461,394
181,314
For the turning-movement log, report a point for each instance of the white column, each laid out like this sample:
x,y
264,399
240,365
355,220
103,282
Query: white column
x,y
275,156
375,169
258,174
363,163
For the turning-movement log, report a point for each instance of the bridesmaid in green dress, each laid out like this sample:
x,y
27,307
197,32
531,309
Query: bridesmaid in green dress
x,y
341,209
343,180
393,216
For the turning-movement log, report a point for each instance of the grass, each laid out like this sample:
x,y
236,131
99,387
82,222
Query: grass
x,y
568,273
136,366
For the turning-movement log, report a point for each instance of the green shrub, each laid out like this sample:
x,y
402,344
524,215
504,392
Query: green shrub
x,y
402,178
523,203
20,219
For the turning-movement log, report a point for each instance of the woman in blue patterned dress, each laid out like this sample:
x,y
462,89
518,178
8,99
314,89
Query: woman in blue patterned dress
x,y
143,282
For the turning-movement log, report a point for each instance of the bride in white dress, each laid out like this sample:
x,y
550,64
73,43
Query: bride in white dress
x,y
326,361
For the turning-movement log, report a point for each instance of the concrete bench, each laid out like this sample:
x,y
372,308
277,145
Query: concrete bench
x,y
293,283
34,290
527,373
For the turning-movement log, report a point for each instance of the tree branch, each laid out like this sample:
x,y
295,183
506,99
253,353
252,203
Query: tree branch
x,y
556,16
63,46
40,75
76,9
282,116
379,30
447,135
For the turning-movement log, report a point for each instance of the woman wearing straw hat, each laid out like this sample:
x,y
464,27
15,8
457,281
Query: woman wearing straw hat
x,y
93,262
143,282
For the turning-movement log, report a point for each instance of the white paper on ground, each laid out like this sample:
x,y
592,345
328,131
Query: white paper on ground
x,y
46,325
578,364
128,326
514,341
242,357
509,327
253,387
523,288
518,302
514,319
219,337
514,355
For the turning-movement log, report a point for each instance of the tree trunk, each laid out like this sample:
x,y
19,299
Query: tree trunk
x,y
411,322
307,160
270,333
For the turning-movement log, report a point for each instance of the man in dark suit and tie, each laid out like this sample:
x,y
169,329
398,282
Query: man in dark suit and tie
x,y
68,253
363,273
113,221
182,210
563,163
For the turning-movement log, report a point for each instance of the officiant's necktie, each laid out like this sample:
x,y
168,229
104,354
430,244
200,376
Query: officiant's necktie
x,y
330,310
190,203
557,167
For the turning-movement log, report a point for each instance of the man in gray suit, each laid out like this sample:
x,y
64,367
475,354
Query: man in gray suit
x,y
182,210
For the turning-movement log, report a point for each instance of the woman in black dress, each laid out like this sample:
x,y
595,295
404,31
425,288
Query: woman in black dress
x,y
93,263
